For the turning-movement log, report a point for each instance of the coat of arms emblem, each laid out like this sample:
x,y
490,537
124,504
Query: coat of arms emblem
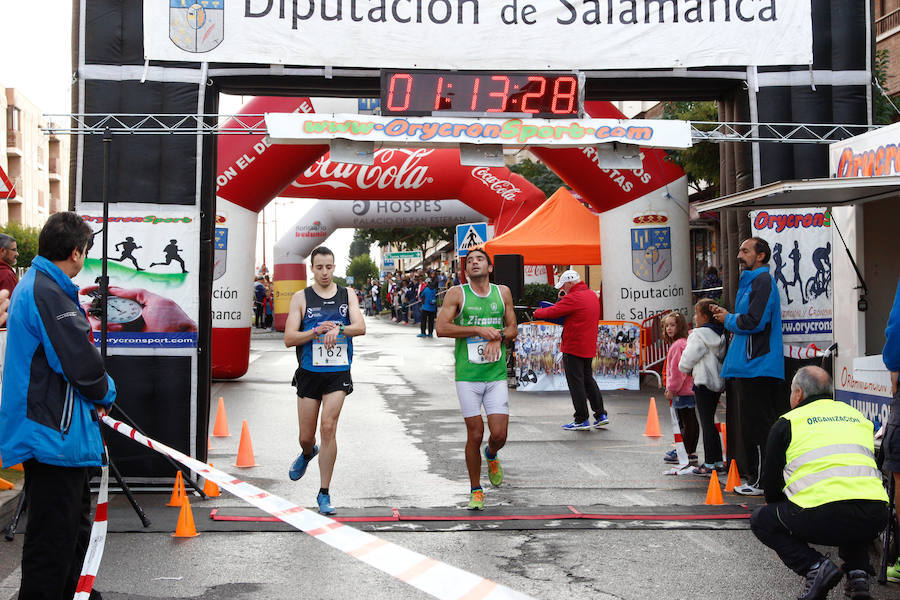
x,y
651,253
196,25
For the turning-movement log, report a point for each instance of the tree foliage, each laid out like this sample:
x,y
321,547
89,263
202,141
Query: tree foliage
x,y
408,238
361,268
700,162
26,241
885,112
358,246
539,175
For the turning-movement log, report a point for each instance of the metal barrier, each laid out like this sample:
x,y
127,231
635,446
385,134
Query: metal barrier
x,y
653,346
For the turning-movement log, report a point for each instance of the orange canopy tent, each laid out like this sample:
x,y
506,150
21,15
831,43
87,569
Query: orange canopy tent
x,y
560,232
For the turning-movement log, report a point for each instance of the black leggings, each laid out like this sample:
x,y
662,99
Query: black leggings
x,y
707,402
427,322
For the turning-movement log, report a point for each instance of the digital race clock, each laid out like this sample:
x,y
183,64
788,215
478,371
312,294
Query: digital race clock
x,y
462,93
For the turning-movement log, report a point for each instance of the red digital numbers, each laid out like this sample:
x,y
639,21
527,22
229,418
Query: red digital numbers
x,y
543,95
568,96
536,95
503,96
391,105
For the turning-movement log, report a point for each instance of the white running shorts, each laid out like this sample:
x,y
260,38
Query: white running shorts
x,y
494,395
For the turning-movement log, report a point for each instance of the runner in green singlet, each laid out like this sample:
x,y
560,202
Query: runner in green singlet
x,y
480,315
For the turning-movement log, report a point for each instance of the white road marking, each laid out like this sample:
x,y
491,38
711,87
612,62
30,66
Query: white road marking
x,y
593,470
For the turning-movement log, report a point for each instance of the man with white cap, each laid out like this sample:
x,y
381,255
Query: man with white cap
x,y
580,306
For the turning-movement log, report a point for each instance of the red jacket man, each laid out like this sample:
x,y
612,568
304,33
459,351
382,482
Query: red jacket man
x,y
9,254
581,308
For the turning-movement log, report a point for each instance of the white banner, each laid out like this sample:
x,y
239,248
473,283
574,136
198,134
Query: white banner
x,y
539,361
800,240
473,34
872,154
294,128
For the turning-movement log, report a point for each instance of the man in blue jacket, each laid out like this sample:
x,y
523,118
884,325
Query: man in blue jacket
x,y
54,390
755,361
891,442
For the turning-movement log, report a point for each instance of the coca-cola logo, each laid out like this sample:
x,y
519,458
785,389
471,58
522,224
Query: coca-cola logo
x,y
383,174
503,187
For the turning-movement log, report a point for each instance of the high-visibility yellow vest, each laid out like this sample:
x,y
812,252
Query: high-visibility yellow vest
x,y
831,456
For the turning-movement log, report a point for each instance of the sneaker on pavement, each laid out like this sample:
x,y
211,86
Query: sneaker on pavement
x,y
823,576
324,502
893,572
575,426
495,471
603,420
671,457
856,586
298,467
421,335
747,489
476,500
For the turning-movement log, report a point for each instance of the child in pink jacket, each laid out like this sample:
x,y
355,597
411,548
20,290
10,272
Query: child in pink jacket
x,y
680,386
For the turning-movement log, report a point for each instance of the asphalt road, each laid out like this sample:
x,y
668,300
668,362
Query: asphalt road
x,y
401,445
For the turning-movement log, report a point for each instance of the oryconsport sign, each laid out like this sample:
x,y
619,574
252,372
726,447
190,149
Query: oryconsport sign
x,y
478,34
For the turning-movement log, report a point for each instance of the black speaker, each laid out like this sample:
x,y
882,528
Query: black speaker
x,y
509,269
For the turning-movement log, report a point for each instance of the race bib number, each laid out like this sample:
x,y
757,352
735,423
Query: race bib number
x,y
330,357
477,346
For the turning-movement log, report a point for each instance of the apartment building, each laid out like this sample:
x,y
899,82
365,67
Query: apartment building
x,y
37,163
887,37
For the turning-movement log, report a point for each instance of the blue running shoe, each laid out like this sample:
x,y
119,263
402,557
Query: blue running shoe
x,y
603,420
573,426
298,468
324,501
671,457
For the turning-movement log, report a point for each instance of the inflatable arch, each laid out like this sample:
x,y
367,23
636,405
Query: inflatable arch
x,y
251,173
644,213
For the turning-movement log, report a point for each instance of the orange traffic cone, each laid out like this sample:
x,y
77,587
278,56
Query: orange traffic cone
x,y
185,527
6,485
177,491
17,467
714,492
210,488
734,478
245,448
220,427
652,429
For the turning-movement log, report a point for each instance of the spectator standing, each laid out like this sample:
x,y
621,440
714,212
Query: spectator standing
x,y
712,280
822,487
9,254
376,296
52,368
754,361
259,298
442,281
702,358
891,441
580,307
428,297
680,386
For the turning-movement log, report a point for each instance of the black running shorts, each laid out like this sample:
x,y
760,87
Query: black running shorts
x,y
312,384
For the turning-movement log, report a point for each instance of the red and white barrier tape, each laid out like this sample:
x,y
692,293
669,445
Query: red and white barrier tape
x,y
431,576
94,552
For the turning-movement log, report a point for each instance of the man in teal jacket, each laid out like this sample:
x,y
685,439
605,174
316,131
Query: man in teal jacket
x,y
54,390
755,360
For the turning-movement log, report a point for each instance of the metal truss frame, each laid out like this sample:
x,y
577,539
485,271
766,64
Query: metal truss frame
x,y
215,124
